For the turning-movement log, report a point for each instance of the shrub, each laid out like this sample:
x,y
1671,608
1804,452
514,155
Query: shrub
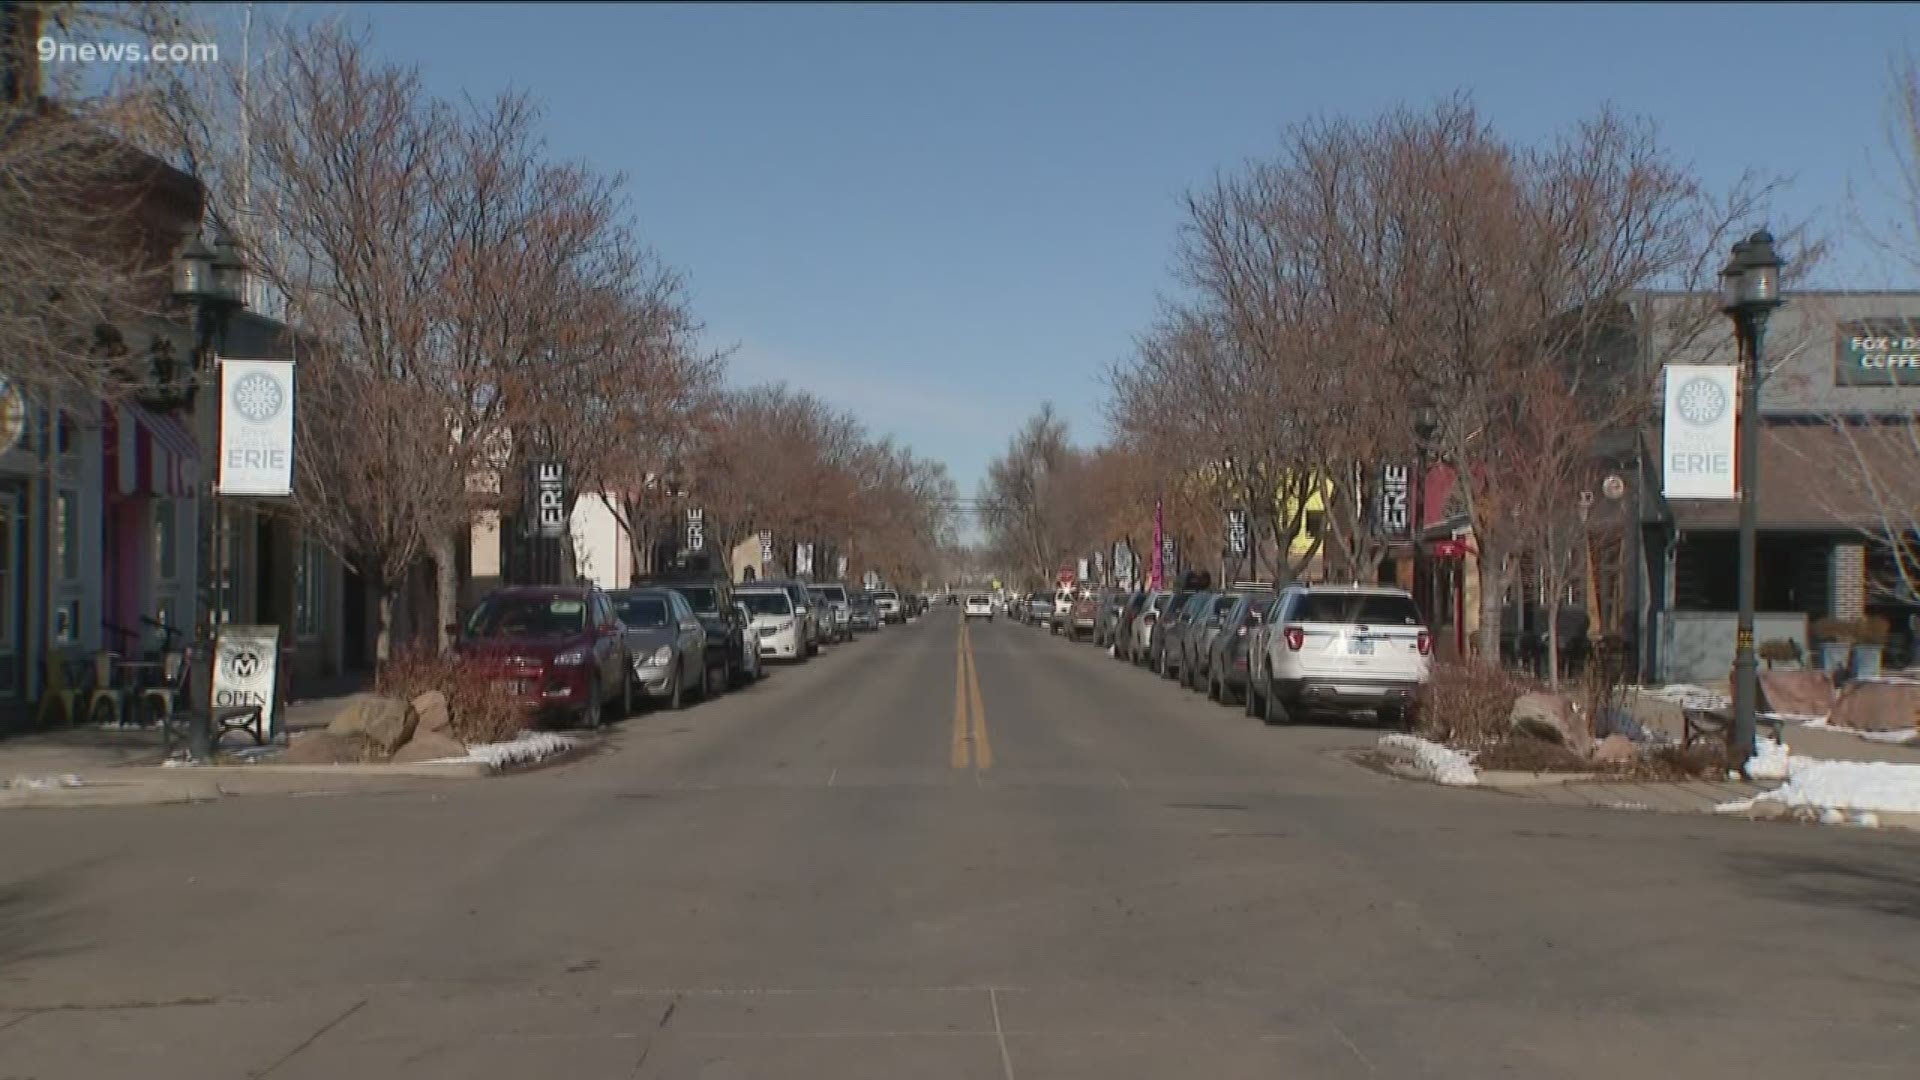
x,y
1468,707
480,711
1779,650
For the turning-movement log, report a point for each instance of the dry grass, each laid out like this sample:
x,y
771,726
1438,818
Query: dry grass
x,y
1707,761
1520,752
1468,707
480,711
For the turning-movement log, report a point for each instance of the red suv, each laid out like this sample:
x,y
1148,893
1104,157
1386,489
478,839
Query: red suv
x,y
559,650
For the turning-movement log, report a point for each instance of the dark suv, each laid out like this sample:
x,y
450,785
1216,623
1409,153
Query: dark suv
x,y
710,596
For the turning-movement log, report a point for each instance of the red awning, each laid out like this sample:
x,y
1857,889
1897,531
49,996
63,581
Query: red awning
x,y
149,454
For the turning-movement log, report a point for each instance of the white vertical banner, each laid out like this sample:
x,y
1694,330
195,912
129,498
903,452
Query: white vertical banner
x,y
803,559
766,548
256,428
840,568
1699,432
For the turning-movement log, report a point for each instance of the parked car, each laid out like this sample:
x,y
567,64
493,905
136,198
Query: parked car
x,y
1196,645
1113,604
1139,640
669,647
861,612
1257,637
777,623
559,651
1040,609
1057,619
711,598
838,613
1226,663
805,611
1176,652
1346,648
1082,616
888,601
1164,629
980,607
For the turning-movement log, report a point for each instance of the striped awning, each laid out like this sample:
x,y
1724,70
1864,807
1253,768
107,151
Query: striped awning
x,y
150,453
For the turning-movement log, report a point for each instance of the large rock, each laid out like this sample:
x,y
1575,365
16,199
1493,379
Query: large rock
x,y
434,713
1551,717
1614,749
1878,705
384,722
323,748
1797,694
429,746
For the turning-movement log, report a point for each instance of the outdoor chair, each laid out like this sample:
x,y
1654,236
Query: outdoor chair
x,y
60,691
107,702
159,703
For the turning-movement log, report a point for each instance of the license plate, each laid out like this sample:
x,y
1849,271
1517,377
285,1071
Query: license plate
x,y
1360,646
520,686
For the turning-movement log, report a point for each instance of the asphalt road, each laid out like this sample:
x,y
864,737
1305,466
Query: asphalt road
x,y
851,871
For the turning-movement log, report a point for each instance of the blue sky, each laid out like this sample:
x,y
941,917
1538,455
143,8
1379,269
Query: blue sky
x,y
937,217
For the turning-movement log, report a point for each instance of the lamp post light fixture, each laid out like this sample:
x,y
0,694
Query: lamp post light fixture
x,y
1750,291
209,281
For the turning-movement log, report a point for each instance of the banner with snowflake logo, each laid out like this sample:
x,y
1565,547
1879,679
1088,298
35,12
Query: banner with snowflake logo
x,y
256,427
1698,436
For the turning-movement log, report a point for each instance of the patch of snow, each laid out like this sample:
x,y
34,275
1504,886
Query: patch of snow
x,y
1867,820
1831,816
530,747
1895,738
1689,696
44,783
1737,806
1769,761
1440,764
1860,786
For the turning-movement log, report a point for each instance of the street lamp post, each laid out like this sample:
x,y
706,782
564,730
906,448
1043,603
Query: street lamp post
x,y
1750,290
1425,423
209,280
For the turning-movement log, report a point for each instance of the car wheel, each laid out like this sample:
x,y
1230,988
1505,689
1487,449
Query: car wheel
x,y
677,697
1213,689
626,693
1274,713
1251,699
591,716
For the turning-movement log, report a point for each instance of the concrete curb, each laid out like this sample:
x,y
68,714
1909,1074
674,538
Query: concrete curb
x,y
1499,779
113,793
453,770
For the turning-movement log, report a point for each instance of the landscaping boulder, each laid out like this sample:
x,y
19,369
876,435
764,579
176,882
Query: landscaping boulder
x,y
1551,717
1878,705
1796,693
434,713
429,746
323,748
384,722
1615,748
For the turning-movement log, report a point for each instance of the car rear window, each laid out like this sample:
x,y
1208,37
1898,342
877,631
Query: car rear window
x,y
641,612
704,599
1371,609
766,603
1224,604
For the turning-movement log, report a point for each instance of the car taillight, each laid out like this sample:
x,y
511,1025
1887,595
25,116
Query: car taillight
x,y
1296,638
1424,643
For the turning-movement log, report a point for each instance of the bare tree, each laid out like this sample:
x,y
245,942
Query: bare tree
x,y
86,213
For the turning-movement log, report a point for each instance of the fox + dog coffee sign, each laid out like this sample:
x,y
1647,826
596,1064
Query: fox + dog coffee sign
x,y
1878,352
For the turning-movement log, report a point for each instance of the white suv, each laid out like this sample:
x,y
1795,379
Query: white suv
x,y
1343,647
980,607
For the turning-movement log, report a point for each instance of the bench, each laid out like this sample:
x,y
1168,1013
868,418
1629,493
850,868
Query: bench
x,y
177,727
1718,723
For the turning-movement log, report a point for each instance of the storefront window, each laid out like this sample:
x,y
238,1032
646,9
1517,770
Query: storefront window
x,y
66,532
166,553
309,589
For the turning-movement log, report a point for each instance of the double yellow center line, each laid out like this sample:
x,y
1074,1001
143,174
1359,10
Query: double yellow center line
x,y
970,745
